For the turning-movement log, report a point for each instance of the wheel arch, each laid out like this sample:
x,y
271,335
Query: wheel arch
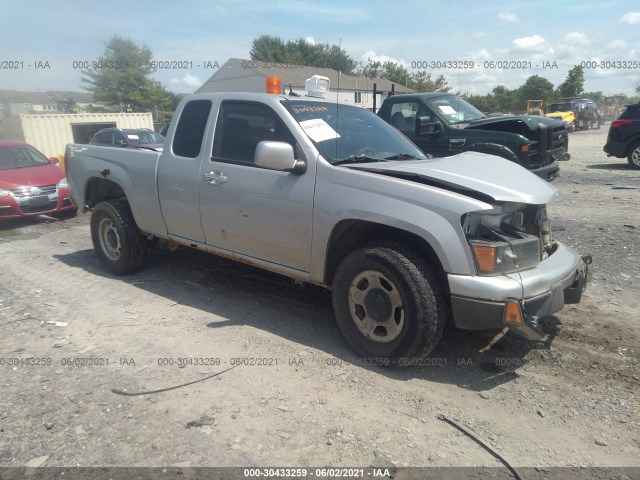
x,y
492,149
101,189
632,144
349,235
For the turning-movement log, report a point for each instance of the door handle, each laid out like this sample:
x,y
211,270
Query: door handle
x,y
214,177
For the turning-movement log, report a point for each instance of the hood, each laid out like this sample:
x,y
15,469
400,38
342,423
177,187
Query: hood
x,y
477,175
563,115
30,176
531,121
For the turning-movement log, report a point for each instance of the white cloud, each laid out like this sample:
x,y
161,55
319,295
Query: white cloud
x,y
532,44
310,40
507,17
375,57
630,18
576,38
478,34
482,54
188,80
617,45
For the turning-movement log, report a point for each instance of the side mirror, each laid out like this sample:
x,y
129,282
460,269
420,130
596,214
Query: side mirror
x,y
121,143
275,156
54,160
426,128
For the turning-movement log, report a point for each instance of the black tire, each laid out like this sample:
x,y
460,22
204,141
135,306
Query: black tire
x,y
401,315
119,244
634,156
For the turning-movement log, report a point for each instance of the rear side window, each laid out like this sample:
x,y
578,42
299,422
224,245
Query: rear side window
x,y
187,140
631,113
104,137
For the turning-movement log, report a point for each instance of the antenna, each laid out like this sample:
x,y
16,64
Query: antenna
x,y
338,97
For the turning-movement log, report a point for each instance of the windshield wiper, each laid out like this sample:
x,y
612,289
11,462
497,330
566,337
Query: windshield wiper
x,y
400,156
357,159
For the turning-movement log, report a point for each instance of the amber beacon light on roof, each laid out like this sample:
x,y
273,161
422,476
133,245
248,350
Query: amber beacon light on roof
x,y
316,86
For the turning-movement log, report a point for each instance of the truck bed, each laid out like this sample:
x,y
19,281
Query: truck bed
x,y
134,171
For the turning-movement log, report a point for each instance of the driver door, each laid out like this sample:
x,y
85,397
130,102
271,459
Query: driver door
x,y
254,211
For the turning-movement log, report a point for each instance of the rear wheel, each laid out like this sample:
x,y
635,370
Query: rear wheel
x,y
388,304
634,156
119,244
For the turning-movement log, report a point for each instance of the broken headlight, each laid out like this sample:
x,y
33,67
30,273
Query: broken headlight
x,y
506,240
495,257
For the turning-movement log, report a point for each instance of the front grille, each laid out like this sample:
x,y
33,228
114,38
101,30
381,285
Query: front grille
x,y
553,142
558,137
25,192
46,207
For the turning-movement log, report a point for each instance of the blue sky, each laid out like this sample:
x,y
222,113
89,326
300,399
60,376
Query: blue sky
x,y
536,33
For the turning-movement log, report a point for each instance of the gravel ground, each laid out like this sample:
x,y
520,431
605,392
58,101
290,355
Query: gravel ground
x,y
300,396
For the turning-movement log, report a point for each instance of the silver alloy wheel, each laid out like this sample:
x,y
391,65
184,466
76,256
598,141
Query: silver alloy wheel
x,y
109,239
635,156
376,306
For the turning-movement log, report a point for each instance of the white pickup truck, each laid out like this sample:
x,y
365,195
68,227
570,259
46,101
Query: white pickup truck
x,y
332,195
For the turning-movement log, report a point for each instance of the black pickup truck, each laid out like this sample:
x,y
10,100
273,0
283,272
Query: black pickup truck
x,y
442,124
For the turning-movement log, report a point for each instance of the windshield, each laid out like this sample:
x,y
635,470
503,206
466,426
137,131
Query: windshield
x,y
144,138
454,109
342,132
560,107
20,156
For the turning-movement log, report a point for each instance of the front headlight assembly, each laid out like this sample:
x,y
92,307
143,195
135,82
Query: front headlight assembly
x,y
504,253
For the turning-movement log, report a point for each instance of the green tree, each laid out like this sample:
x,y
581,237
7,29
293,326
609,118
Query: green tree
x,y
573,86
506,101
420,81
121,76
534,88
484,103
597,97
267,48
391,71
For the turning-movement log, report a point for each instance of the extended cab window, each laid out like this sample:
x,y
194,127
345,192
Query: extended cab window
x,y
104,137
241,126
403,116
187,141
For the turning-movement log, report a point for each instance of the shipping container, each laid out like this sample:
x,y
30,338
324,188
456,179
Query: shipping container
x,y
50,133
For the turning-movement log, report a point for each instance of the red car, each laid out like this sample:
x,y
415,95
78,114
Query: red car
x,y
30,184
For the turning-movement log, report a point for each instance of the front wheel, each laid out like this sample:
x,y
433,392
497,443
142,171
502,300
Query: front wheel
x,y
634,156
388,304
116,239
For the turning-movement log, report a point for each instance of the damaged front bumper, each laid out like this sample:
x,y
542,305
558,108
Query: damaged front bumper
x,y
518,300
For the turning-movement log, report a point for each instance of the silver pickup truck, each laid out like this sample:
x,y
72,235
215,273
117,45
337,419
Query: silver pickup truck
x,y
332,195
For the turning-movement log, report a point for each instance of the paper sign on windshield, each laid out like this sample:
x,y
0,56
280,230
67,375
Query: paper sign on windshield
x,y
319,130
446,109
133,137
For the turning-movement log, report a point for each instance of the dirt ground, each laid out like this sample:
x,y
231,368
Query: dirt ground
x,y
298,396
